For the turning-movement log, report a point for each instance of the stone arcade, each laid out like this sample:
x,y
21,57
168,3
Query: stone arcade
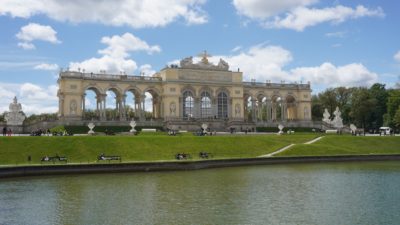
x,y
187,96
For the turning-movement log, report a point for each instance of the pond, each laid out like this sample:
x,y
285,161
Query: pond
x,y
329,193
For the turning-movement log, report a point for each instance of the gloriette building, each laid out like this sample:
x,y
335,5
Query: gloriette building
x,y
185,97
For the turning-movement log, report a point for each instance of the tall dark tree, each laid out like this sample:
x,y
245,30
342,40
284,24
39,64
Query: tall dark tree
x,y
378,92
343,99
317,109
361,104
393,103
328,100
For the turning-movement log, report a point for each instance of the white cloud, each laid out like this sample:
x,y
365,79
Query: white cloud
x,y
261,9
133,13
34,98
297,15
114,58
26,45
397,56
33,32
147,70
119,46
106,63
45,66
303,17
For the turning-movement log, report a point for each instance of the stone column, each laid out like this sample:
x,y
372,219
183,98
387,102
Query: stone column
x,y
269,111
83,105
196,107
283,111
253,108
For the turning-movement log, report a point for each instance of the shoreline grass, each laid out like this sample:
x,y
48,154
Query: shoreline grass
x,y
142,148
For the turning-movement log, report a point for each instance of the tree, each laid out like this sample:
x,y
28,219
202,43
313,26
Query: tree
x,y
396,118
361,104
328,100
393,103
317,109
378,92
343,99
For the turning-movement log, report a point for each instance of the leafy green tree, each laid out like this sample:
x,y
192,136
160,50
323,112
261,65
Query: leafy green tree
x,y
396,118
328,100
361,104
393,103
317,109
378,92
343,99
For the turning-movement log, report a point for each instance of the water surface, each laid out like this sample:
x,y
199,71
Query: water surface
x,y
332,193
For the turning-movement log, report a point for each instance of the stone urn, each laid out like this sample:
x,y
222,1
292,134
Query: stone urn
x,y
91,126
280,127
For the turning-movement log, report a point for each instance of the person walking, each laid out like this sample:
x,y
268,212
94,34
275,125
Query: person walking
x,y
4,131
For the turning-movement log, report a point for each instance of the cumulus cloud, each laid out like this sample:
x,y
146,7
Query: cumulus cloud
x,y
35,99
119,46
45,66
26,45
33,32
297,14
303,17
133,13
114,57
397,56
259,9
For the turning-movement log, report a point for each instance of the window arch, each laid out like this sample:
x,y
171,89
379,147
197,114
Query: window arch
x,y
222,103
188,104
205,105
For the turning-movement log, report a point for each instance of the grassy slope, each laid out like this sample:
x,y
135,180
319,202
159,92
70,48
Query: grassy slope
x,y
346,145
14,150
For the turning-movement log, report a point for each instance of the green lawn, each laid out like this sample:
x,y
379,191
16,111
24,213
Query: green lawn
x,y
85,149
346,145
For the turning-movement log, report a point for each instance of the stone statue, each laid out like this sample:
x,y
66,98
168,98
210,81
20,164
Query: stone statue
x,y
237,109
73,107
15,116
326,117
337,121
172,109
223,65
187,62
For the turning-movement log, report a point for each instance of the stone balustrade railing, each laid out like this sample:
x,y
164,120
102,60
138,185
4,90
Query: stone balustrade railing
x,y
95,76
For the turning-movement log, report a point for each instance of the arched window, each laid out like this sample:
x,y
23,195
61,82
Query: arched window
x,y
188,104
222,105
205,105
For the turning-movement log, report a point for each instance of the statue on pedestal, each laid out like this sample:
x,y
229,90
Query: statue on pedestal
x,y
326,117
337,121
15,116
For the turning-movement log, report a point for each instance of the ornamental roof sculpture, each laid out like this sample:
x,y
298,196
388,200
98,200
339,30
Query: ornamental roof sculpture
x,y
187,63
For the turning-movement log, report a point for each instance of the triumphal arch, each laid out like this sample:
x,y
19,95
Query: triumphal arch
x,y
185,96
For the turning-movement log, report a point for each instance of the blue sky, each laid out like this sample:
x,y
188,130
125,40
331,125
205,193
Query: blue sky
x,y
329,43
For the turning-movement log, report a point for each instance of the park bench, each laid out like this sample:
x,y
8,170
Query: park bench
x,y
103,157
54,159
205,155
181,156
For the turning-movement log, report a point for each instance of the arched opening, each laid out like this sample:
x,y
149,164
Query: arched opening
x,y
205,105
91,104
248,108
148,107
291,108
222,105
188,105
113,104
276,108
132,104
264,109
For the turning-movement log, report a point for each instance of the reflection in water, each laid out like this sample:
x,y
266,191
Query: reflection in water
x,y
336,193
